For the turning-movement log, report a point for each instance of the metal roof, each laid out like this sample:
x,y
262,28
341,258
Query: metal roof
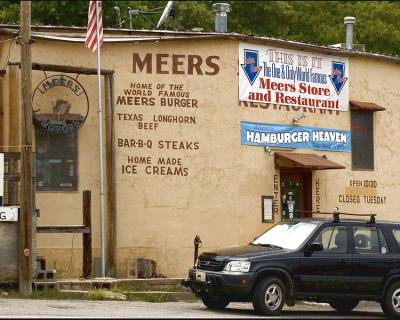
x,y
77,34
306,160
365,106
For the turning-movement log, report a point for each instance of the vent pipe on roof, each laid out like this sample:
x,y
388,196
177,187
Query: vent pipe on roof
x,y
349,22
220,11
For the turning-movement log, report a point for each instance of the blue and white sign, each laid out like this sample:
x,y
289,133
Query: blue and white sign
x,y
283,76
284,136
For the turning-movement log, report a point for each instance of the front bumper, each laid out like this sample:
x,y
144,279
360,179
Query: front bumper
x,y
234,285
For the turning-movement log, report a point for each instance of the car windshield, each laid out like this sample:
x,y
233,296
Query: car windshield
x,y
287,235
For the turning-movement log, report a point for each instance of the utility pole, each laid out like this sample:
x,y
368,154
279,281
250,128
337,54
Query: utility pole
x,y
26,200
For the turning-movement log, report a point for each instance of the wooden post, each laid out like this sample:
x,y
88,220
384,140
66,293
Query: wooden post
x,y
87,237
13,107
111,234
13,128
1,112
26,206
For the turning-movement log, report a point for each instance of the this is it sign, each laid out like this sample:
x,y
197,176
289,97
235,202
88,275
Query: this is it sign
x,y
296,78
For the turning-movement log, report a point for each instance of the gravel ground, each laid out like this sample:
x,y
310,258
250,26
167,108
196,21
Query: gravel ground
x,y
25,308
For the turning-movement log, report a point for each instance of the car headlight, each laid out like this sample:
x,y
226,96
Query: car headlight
x,y
238,266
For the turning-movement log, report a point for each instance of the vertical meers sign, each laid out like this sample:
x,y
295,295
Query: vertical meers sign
x,y
289,77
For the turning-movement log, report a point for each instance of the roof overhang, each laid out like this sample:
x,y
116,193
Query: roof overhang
x,y
304,161
113,35
365,106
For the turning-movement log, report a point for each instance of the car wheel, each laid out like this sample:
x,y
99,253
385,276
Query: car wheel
x,y
392,301
269,297
214,302
342,305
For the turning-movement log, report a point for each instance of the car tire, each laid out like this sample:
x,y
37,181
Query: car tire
x,y
269,297
344,305
391,302
214,302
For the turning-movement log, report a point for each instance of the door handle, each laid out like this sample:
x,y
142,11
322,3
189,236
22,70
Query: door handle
x,y
342,261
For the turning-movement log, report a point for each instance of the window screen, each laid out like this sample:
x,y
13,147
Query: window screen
x,y
56,161
362,140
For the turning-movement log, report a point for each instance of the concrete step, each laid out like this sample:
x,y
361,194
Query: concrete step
x,y
161,296
157,284
152,296
162,284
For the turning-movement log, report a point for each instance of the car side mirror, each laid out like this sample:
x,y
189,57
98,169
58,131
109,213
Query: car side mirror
x,y
314,246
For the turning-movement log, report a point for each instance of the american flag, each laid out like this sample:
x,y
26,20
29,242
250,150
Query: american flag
x,y
91,35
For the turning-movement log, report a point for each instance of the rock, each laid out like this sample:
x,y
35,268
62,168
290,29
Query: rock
x,y
3,294
160,275
114,295
105,295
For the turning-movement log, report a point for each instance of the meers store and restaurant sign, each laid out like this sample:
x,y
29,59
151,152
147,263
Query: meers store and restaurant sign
x,y
289,77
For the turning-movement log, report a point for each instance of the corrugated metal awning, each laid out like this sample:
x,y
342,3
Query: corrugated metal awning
x,y
304,160
365,106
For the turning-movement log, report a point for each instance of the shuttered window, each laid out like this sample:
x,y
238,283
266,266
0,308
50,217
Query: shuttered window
x,y
56,161
362,140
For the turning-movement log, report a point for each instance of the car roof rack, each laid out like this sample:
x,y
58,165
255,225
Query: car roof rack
x,y
336,215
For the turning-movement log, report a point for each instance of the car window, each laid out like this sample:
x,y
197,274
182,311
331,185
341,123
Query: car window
x,y
333,240
384,248
396,234
369,240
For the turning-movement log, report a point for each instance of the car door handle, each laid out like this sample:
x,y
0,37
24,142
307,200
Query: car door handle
x,y
342,261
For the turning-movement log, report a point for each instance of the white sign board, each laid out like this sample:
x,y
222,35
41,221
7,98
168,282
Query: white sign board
x,y
267,209
8,214
292,77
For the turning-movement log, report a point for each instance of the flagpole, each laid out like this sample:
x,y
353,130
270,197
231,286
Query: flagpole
x,y
100,115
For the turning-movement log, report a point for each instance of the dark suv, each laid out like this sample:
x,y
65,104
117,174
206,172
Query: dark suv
x,y
339,262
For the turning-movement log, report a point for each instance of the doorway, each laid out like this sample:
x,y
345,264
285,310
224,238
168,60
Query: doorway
x,y
296,191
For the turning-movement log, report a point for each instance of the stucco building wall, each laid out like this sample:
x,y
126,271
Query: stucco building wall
x,y
217,184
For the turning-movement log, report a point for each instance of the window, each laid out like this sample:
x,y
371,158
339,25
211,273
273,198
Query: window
x,y
56,161
396,234
369,240
333,239
289,235
362,140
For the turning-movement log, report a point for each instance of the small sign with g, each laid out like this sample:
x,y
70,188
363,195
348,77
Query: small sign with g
x,y
8,214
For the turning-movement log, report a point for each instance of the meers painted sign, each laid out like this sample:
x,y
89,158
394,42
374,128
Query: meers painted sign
x,y
165,63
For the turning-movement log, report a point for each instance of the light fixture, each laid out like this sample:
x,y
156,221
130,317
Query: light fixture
x,y
295,120
268,149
